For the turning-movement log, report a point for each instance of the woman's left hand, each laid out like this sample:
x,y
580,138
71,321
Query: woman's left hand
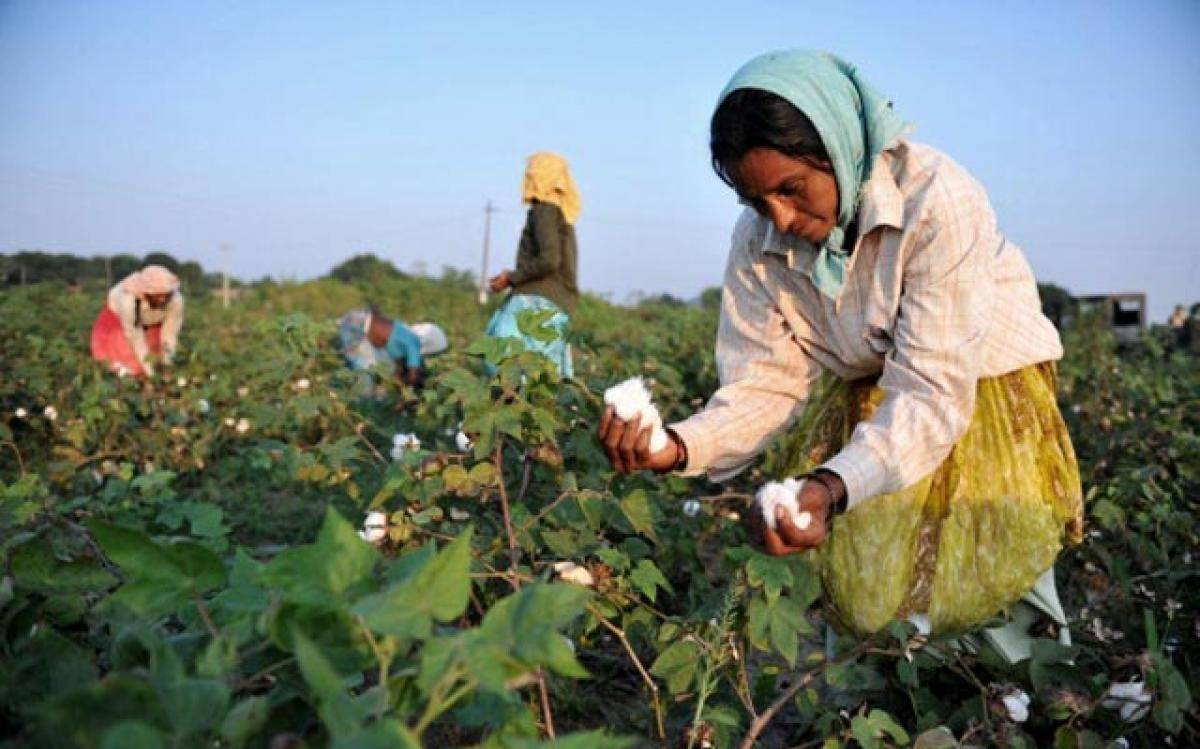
x,y
499,282
814,499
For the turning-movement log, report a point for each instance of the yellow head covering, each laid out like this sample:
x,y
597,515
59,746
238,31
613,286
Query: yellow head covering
x,y
548,180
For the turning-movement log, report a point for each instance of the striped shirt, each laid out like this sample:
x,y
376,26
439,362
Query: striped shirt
x,y
935,298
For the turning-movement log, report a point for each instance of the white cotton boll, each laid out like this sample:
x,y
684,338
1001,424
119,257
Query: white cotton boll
x,y
181,382
630,399
374,528
243,392
570,572
50,412
21,413
203,406
1017,705
784,494
243,426
463,442
303,384
459,516
691,508
922,623
1130,698
122,371
229,422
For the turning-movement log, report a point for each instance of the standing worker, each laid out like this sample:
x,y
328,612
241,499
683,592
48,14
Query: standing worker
x,y
141,319
547,260
871,301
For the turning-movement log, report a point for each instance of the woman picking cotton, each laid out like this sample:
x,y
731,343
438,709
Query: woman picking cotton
x,y
141,320
545,279
369,338
870,301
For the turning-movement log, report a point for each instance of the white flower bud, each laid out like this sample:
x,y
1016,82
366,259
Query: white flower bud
x,y
21,413
243,425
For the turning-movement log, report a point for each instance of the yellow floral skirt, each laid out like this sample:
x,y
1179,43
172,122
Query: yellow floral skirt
x,y
967,540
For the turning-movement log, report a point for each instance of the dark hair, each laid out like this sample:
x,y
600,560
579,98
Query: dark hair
x,y
751,118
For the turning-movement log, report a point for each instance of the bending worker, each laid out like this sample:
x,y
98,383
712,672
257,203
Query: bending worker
x,y
141,319
369,338
872,305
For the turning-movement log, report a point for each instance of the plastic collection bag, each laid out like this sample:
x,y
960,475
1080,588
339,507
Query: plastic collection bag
x,y
969,539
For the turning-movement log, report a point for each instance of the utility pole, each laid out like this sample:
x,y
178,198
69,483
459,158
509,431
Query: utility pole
x,y
225,275
488,210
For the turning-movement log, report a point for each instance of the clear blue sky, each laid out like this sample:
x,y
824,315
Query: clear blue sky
x,y
303,132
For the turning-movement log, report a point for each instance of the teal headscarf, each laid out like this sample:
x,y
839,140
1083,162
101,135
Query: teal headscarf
x,y
854,121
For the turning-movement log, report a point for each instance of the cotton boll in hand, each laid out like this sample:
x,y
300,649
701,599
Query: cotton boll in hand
x,y
631,399
784,494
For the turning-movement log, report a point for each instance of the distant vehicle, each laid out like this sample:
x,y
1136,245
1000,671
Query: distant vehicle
x,y
1125,314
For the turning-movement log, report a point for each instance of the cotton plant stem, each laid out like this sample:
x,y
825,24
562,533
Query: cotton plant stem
x,y
20,462
649,680
204,615
514,557
760,723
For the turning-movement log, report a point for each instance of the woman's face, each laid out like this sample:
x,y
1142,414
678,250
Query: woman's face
x,y
157,301
799,197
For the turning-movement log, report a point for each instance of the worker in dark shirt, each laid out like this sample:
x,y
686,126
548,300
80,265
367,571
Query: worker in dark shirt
x,y
545,278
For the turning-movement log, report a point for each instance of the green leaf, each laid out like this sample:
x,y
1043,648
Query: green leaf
x,y
386,734
936,738
133,734
770,573
869,729
523,631
341,715
327,571
638,511
194,705
585,740
35,567
163,576
246,719
678,665
648,579
439,590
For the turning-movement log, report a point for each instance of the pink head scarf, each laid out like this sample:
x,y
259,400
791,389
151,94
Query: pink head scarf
x,y
153,279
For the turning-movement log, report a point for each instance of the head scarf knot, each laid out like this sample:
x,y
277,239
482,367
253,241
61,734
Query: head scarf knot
x,y
153,279
854,121
548,180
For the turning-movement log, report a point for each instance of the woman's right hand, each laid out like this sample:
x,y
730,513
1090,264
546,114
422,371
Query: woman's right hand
x,y
627,445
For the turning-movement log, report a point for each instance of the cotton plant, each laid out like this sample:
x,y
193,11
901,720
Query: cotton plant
x,y
631,399
50,412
